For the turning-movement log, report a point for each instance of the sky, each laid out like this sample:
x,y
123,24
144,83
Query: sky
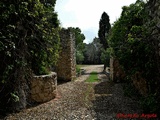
x,y
86,14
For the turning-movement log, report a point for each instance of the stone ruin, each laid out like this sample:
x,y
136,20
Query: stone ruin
x,y
116,72
44,87
66,67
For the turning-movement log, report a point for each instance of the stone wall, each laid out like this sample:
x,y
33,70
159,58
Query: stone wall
x,y
44,87
66,67
117,74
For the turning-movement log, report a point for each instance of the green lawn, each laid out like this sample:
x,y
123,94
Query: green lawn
x,y
93,77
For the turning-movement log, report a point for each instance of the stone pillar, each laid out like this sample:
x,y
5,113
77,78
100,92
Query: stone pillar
x,y
66,67
111,69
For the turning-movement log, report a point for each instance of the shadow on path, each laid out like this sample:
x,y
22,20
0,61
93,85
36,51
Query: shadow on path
x,y
103,106
110,101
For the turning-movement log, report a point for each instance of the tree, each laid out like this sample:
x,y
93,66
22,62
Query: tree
x,y
79,57
79,36
127,35
79,45
104,28
105,56
29,43
93,52
133,45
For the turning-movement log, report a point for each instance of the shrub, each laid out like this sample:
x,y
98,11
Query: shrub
x,y
28,41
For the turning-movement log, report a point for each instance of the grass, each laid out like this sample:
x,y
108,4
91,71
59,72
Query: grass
x,y
81,65
93,77
78,69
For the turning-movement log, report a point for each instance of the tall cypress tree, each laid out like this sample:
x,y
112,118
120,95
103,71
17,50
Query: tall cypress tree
x,y
104,27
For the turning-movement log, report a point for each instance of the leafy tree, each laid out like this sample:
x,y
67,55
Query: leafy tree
x,y
92,52
45,53
130,42
79,38
105,56
127,37
79,57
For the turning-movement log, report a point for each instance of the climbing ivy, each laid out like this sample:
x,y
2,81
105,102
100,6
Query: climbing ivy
x,y
29,43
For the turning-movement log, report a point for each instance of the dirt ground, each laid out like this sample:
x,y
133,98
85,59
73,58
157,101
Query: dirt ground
x,y
79,100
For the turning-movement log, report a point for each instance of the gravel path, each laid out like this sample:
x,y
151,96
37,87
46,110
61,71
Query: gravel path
x,y
78,100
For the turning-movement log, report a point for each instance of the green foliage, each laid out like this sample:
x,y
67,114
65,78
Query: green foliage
x,y
105,56
79,38
149,103
104,27
93,77
130,90
92,52
79,57
127,39
78,69
29,41
14,97
35,23
45,53
130,44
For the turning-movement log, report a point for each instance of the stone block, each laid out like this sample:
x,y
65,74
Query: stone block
x,y
67,60
117,74
43,86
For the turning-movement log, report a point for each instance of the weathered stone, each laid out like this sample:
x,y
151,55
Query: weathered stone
x,y
66,68
35,90
116,72
44,87
111,68
46,94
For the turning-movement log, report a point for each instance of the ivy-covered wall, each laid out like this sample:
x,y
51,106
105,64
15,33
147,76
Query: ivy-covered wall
x,y
29,44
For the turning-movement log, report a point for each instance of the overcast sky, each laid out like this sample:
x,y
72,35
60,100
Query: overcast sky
x,y
86,14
